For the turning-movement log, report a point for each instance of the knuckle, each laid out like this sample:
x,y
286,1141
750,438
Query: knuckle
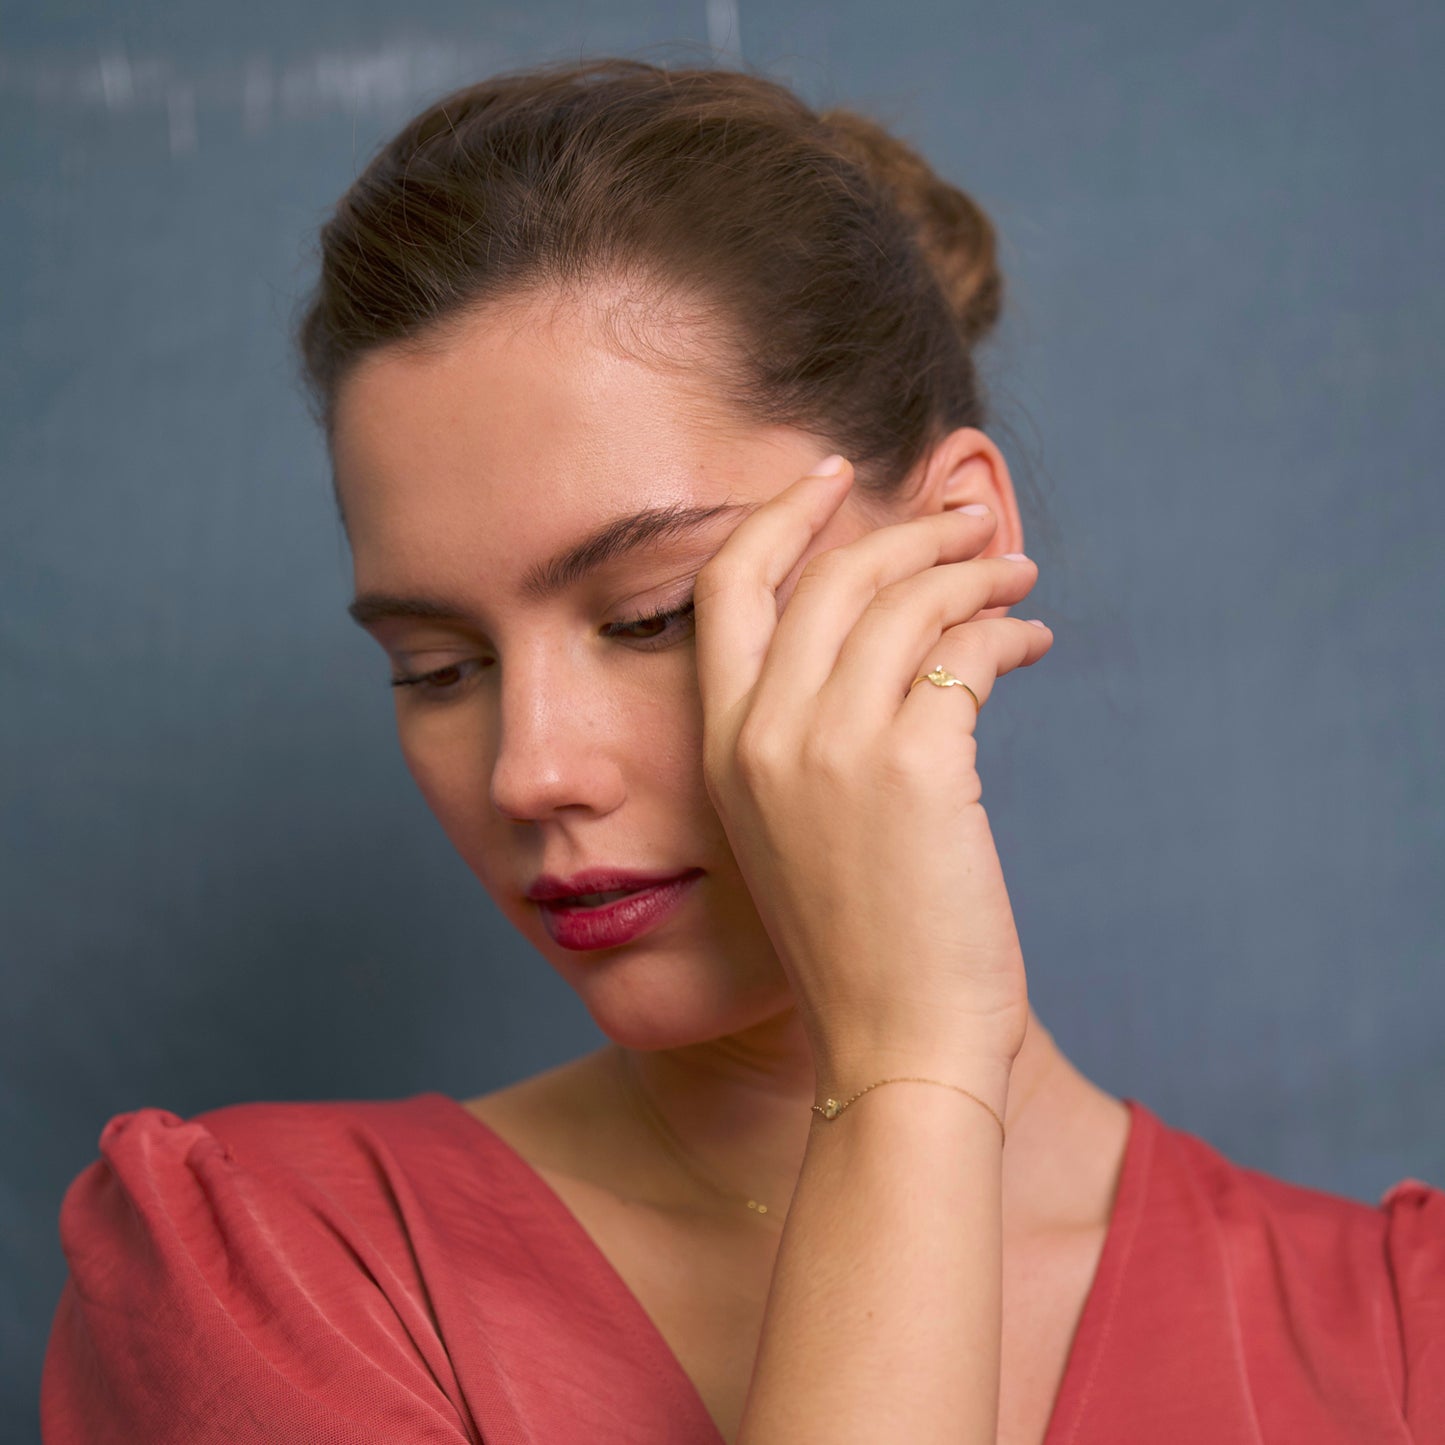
x,y
716,575
908,763
895,597
826,566
760,748
967,639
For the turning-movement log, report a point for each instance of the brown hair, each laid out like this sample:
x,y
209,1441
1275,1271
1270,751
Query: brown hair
x,y
851,283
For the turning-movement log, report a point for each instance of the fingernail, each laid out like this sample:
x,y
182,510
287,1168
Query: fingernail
x,y
1036,622
975,509
829,466
1014,557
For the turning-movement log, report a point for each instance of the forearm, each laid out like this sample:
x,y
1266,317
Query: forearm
x,y
882,1324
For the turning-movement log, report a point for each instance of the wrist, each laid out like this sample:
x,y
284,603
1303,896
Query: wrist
x,y
843,1076
918,1107
987,1044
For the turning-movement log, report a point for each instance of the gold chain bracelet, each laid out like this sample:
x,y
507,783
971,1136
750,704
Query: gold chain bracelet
x,y
831,1108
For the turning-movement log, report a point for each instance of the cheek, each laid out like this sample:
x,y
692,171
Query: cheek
x,y
666,772
667,780
450,765
669,727
652,732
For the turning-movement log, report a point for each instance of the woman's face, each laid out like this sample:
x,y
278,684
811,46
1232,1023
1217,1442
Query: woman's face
x,y
552,737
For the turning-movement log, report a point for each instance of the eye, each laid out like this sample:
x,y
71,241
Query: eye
x,y
444,683
681,615
441,683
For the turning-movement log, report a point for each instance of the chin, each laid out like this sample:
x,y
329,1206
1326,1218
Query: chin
x,y
684,983
668,998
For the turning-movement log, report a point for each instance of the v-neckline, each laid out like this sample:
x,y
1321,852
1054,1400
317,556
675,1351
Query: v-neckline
x,y
1085,1349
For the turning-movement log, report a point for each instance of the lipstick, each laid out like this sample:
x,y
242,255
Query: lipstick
x,y
607,925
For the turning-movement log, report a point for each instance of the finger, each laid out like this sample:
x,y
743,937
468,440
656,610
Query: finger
x,y
902,627
838,585
978,653
734,595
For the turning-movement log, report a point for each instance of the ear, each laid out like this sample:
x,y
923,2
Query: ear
x,y
964,467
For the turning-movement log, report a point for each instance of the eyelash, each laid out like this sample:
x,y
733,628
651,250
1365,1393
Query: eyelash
x,y
427,685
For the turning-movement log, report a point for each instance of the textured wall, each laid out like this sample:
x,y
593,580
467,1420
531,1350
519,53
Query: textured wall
x,y
1218,798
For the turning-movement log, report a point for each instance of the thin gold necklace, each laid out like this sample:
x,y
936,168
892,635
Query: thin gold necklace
x,y
670,1142
673,1145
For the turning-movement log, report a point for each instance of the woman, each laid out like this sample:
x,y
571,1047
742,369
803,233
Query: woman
x,y
658,445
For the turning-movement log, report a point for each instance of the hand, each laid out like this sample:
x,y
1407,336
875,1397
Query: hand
x,y
852,804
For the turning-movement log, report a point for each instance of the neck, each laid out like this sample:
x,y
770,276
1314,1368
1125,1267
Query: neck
x,y
739,1108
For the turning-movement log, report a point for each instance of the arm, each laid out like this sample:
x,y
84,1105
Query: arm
x,y
882,1325
215,1299
883,1320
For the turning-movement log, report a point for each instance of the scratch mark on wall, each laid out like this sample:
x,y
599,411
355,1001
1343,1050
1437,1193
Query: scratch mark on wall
x,y
389,82
723,32
181,116
258,94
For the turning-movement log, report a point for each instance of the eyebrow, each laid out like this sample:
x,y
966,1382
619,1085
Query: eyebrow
x,y
614,539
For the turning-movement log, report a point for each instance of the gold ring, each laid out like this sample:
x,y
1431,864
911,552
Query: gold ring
x,y
940,678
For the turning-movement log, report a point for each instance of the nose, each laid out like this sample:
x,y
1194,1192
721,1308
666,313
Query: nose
x,y
555,745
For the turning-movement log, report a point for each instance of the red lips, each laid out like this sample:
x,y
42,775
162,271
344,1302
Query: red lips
x,y
548,886
584,927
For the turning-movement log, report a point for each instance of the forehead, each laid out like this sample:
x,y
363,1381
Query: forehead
x,y
526,424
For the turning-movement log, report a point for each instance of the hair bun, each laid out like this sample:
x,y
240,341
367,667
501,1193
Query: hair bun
x,y
954,233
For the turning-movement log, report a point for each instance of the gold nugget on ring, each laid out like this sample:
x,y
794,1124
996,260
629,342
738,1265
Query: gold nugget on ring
x,y
940,677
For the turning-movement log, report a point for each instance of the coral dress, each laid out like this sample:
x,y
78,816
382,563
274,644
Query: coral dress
x,y
370,1273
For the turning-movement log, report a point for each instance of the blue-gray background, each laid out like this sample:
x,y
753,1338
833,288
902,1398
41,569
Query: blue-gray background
x,y
1217,799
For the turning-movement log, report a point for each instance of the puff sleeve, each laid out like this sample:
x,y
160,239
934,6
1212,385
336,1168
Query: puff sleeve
x,y
216,1299
1415,1251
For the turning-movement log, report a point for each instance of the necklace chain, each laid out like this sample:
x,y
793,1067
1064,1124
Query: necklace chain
x,y
669,1141
659,1126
